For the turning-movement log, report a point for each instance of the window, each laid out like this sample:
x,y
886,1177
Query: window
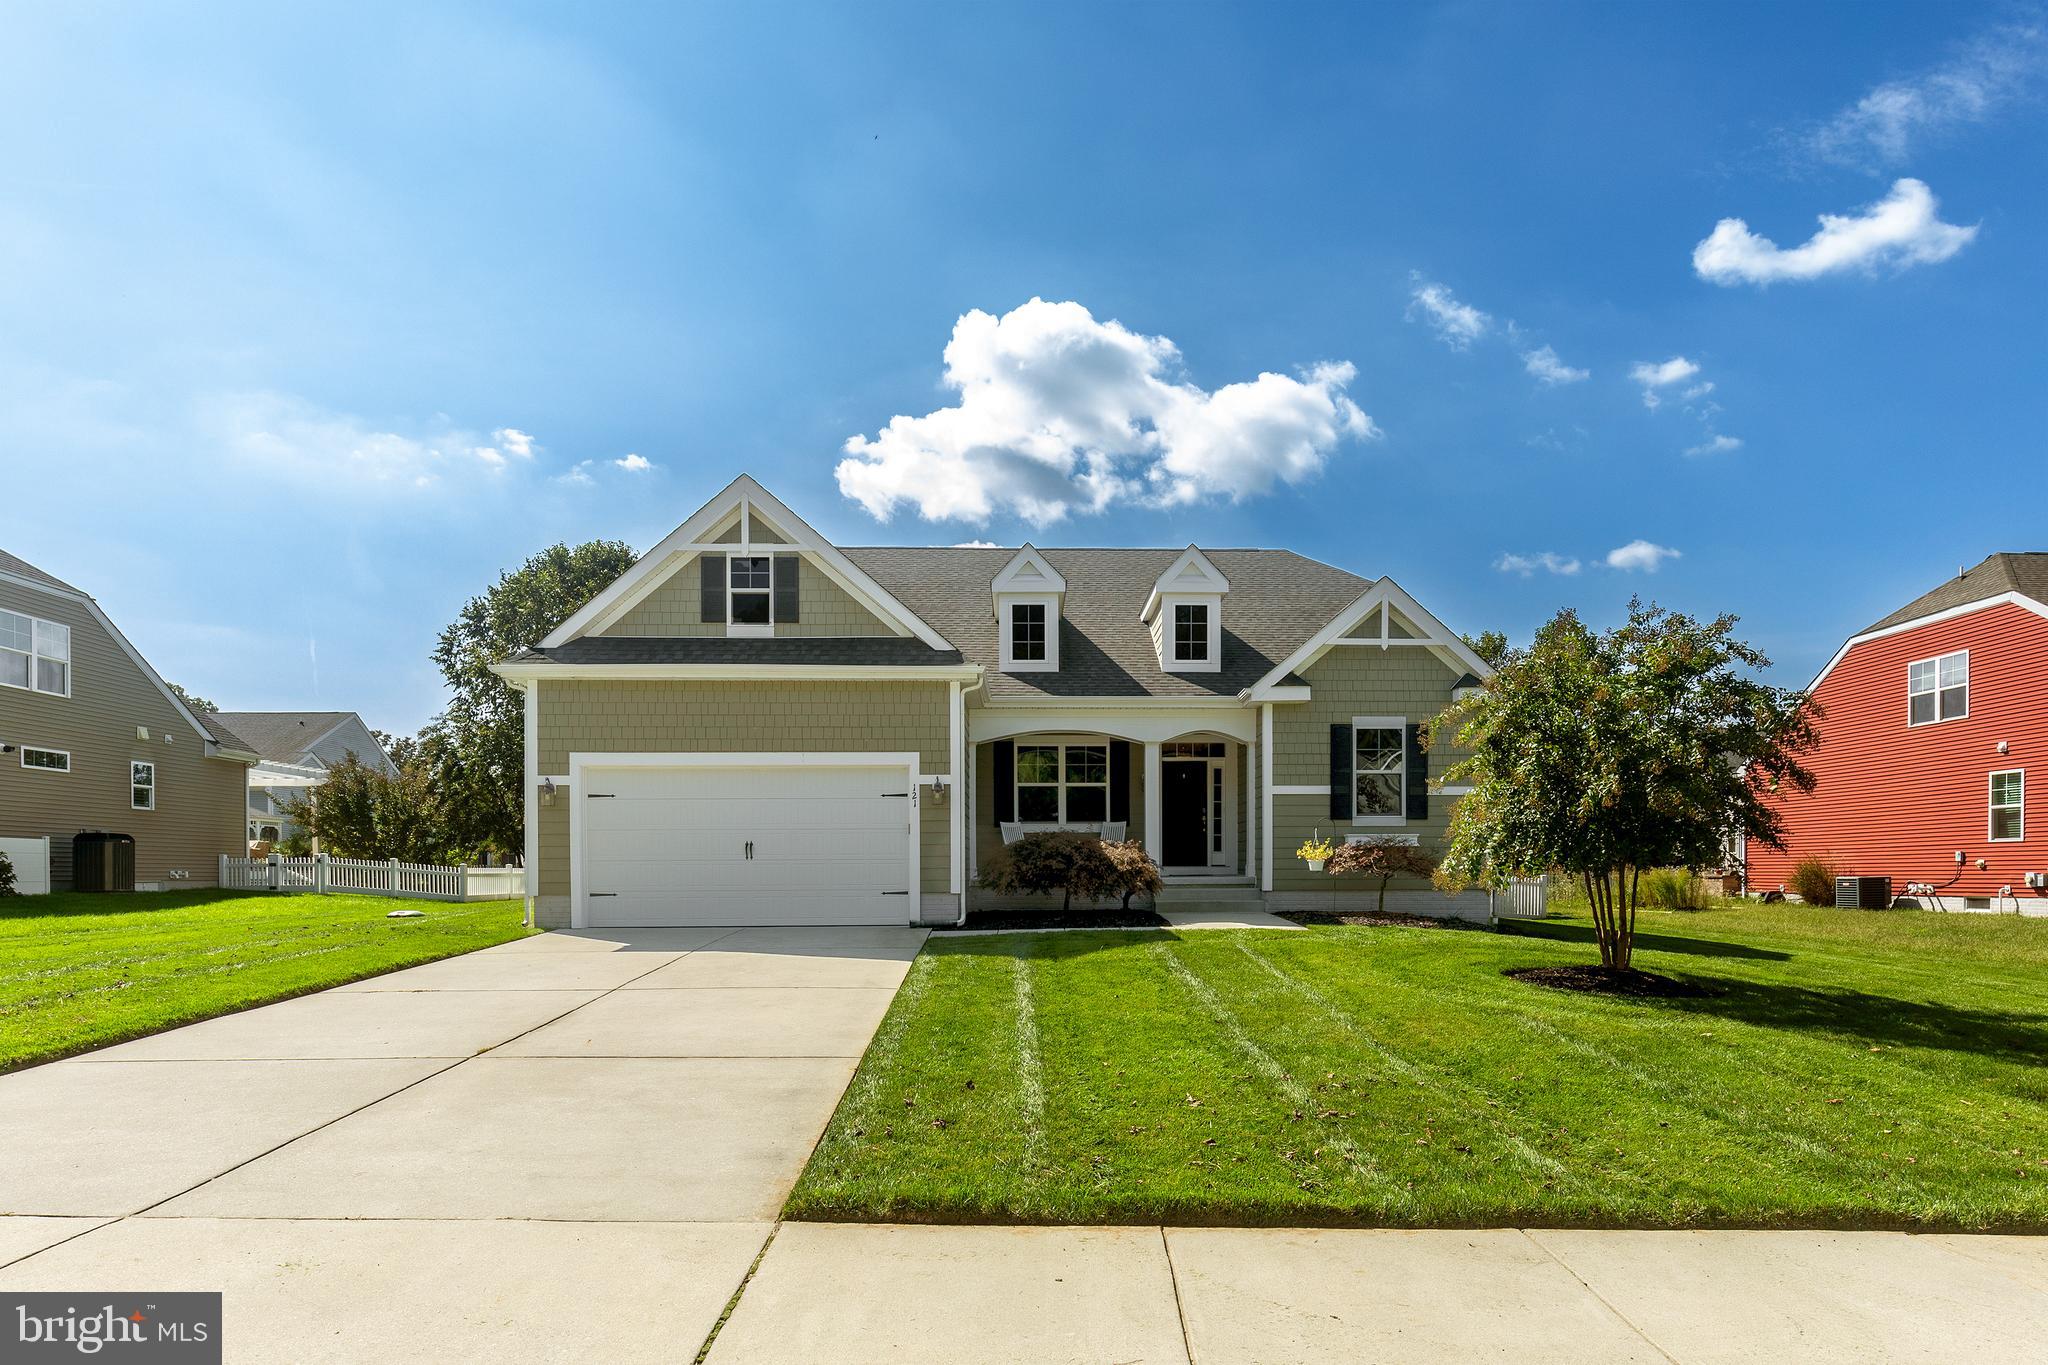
x,y
35,654
142,786
753,580
1381,773
2008,807
46,760
1938,689
1062,783
1191,631
1027,631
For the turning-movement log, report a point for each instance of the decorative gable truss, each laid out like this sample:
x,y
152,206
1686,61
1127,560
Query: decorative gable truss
x,y
1185,613
1385,617
1028,595
743,521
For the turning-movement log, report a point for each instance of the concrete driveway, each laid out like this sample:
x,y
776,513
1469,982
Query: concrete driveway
x,y
568,1147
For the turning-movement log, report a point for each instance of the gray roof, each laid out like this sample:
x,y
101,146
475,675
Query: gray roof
x,y
280,736
222,735
720,649
21,568
1277,600
2025,573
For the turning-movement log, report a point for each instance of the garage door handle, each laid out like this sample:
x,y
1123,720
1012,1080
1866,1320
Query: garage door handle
x,y
600,893
600,796
895,793
895,893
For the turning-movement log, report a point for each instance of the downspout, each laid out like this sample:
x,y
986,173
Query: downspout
x,y
963,787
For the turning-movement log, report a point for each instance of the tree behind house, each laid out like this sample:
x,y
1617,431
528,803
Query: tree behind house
x,y
1603,755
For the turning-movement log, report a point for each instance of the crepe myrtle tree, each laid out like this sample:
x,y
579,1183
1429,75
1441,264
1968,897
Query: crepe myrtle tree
x,y
1650,745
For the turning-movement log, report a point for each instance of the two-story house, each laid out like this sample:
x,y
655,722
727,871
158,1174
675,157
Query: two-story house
x,y
755,726
92,739
1933,722
296,750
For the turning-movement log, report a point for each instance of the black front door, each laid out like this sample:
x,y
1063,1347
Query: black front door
x,y
1184,813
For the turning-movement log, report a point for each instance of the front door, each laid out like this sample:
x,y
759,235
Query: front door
x,y
1184,812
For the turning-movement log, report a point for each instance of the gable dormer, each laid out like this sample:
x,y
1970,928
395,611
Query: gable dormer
x,y
1185,613
1027,596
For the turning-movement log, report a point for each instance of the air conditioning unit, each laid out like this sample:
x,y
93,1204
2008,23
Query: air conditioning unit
x,y
1863,893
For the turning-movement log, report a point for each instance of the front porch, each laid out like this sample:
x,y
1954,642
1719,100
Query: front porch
x,y
1182,784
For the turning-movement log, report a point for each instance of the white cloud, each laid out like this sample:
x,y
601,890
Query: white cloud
x,y
635,463
1996,69
1059,413
288,436
1698,391
1902,229
974,545
1545,560
514,442
1716,445
1640,555
1657,377
578,473
1543,362
1457,324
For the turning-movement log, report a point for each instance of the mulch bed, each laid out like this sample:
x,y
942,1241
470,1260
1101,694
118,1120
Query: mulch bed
x,y
1057,919
1597,980
1392,919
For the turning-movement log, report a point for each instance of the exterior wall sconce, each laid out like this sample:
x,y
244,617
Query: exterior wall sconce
x,y
547,791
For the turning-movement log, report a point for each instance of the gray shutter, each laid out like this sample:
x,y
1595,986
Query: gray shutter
x,y
1006,780
785,579
1343,753
1416,762
711,589
1120,780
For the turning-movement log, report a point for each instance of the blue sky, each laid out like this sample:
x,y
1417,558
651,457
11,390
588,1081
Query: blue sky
x,y
311,322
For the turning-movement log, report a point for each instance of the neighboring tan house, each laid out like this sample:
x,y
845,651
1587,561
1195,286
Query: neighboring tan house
x,y
753,726
297,749
1931,724
92,739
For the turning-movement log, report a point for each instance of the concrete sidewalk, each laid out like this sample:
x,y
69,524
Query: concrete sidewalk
x,y
569,1147
833,1292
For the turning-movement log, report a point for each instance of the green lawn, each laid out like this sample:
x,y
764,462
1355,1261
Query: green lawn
x,y
1854,1069
81,971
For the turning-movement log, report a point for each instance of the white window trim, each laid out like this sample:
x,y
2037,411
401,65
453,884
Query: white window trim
x,y
1010,663
35,631
1991,811
1017,784
1173,632
1163,632
30,767
1937,690
1399,724
734,627
133,764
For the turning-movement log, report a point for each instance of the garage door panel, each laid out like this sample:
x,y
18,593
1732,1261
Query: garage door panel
x,y
669,845
751,815
774,781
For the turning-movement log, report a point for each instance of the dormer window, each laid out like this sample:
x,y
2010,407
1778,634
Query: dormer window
x,y
1027,632
1191,632
1026,596
1185,613
748,594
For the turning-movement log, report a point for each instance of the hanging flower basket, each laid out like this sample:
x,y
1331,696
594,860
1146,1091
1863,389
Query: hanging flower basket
x,y
1315,851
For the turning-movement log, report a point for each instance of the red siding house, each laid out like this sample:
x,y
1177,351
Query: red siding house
x,y
1934,747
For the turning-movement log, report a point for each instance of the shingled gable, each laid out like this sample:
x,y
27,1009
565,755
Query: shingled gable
x,y
747,506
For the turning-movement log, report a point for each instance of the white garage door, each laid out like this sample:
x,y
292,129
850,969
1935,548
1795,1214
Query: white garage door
x,y
796,844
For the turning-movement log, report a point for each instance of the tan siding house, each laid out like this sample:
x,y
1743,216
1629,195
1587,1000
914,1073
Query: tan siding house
x,y
755,726
95,741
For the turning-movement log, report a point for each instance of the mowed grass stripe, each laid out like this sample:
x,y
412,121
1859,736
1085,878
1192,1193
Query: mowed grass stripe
x,y
1171,1068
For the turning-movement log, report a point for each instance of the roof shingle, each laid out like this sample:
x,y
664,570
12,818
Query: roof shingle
x,y
2023,573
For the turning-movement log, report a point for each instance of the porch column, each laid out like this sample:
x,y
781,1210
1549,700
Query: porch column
x,y
1153,844
1248,856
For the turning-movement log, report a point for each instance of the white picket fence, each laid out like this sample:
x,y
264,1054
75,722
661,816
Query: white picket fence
x,y
1525,898
324,875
